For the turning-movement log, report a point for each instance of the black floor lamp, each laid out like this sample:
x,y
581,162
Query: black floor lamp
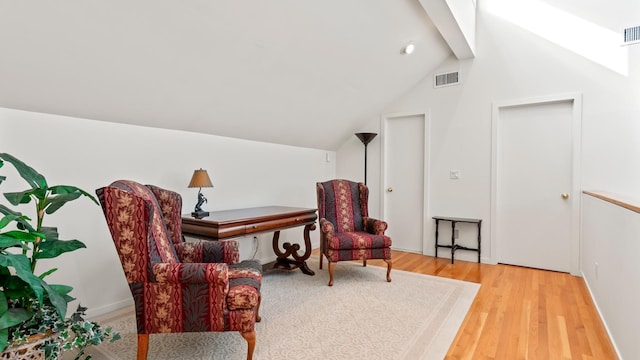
x,y
366,139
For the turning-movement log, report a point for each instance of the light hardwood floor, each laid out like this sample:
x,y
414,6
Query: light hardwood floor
x,y
519,313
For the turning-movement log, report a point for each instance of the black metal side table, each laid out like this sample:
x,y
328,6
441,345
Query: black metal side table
x,y
453,245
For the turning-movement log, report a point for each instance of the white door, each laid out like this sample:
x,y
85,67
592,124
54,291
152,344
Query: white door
x,y
404,154
534,185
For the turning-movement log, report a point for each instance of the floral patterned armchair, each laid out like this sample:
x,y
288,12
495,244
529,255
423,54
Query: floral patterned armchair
x,y
346,230
178,286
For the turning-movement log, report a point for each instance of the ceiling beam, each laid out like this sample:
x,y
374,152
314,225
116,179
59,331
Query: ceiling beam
x,y
456,22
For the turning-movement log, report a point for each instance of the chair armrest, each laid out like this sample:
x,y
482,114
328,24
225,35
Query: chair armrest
x,y
194,273
327,230
205,251
374,226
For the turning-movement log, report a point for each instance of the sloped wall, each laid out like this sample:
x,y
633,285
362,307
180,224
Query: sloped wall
x,y
91,154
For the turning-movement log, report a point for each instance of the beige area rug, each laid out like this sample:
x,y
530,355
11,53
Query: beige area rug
x,y
360,317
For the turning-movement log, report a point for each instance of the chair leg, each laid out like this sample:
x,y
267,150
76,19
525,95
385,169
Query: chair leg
x,y
321,259
388,270
258,318
250,336
364,262
143,346
331,265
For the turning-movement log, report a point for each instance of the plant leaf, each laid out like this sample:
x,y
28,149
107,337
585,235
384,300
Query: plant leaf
x,y
17,198
15,238
14,287
10,241
51,248
21,219
57,300
32,177
14,317
55,202
4,305
6,220
47,273
63,290
11,318
61,194
49,232
22,265
4,338
54,190
22,235
24,197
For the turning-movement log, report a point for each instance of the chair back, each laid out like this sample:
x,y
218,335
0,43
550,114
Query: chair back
x,y
137,228
343,203
170,203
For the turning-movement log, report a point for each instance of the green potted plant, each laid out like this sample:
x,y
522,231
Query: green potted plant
x,y
30,307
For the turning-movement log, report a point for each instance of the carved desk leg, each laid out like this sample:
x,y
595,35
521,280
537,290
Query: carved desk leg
x,y
298,261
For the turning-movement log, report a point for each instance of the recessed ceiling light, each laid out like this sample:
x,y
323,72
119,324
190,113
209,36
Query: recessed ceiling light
x,y
408,49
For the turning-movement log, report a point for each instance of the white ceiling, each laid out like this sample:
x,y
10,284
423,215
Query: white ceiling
x,y
302,73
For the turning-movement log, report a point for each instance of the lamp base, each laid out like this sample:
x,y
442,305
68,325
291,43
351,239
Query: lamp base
x,y
200,214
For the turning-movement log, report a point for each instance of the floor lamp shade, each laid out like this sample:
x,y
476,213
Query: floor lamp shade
x,y
366,139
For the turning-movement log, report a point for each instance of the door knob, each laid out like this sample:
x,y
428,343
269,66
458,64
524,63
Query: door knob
x,y
565,196
389,189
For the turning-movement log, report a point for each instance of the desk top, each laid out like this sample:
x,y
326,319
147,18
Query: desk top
x,y
243,222
248,214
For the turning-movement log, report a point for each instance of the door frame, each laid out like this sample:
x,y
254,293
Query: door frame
x,y
426,117
576,102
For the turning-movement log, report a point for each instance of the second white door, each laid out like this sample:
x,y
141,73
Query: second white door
x,y
404,181
534,185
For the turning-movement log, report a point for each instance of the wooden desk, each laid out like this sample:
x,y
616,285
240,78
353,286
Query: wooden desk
x,y
228,224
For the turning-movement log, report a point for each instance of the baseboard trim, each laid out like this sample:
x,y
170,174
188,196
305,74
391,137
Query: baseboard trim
x,y
109,309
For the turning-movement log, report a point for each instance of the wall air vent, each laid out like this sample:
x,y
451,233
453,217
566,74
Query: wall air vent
x,y
632,35
447,79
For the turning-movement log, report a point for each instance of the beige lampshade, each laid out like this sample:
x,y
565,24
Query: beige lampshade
x,y
200,179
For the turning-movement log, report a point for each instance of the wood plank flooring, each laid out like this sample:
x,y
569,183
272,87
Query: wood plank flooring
x,y
519,313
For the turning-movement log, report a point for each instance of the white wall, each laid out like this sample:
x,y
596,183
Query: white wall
x,y
350,166
514,63
91,154
610,269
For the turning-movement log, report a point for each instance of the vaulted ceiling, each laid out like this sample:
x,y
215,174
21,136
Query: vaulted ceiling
x,y
302,73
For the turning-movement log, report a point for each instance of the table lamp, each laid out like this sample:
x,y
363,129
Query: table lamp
x,y
200,179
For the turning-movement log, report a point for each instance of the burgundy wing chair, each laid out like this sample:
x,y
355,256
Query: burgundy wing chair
x,y
346,230
178,286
